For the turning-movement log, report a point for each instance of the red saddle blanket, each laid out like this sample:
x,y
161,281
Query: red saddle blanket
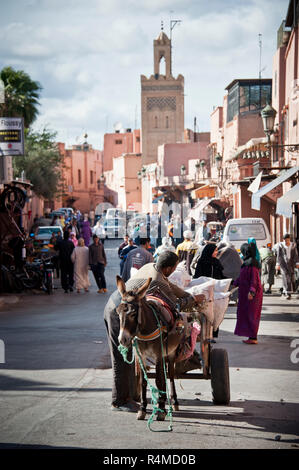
x,y
165,311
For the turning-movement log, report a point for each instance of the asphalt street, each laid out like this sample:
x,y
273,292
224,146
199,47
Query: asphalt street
x,y
55,379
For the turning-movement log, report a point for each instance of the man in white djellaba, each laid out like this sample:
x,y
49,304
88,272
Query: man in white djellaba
x,y
80,258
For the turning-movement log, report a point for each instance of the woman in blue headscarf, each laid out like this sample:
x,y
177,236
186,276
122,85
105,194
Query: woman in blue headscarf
x,y
252,242
250,296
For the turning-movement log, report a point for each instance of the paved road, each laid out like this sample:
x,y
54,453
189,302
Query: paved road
x,y
55,385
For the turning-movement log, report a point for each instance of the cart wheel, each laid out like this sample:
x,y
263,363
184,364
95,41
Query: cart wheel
x,y
220,377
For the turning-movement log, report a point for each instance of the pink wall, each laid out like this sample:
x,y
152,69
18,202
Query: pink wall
x,y
173,156
129,142
292,91
216,126
86,191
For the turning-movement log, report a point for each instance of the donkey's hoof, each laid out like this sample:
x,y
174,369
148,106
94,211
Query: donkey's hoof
x,y
141,415
161,415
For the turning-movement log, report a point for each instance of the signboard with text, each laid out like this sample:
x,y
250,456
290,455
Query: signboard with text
x,y
11,136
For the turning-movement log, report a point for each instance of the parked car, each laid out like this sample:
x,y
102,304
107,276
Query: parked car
x,y
44,234
237,232
69,211
115,227
56,213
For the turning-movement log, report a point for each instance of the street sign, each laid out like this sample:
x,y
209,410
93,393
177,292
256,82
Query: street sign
x,y
11,136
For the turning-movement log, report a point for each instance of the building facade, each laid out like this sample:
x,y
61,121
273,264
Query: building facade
x,y
83,186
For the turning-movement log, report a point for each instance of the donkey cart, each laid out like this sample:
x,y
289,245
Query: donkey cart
x,y
215,366
214,362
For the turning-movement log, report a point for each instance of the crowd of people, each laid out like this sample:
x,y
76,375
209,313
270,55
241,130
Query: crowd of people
x,y
79,250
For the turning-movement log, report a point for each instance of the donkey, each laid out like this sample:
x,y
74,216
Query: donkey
x,y
138,320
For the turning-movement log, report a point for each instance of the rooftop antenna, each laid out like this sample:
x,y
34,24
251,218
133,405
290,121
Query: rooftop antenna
x,y
172,24
260,46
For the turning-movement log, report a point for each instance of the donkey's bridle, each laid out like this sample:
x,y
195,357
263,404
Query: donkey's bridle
x,y
155,334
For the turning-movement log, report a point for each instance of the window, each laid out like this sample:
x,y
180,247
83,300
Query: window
x,y
247,97
167,122
79,176
232,102
156,122
91,177
118,142
239,232
137,139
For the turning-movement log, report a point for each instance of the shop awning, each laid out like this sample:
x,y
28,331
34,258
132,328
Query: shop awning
x,y
204,191
284,203
284,176
255,185
197,210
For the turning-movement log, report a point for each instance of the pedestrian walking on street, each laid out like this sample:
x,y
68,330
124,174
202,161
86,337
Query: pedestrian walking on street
x,y
166,246
80,258
73,238
137,258
65,248
124,253
287,260
268,260
250,296
209,265
186,248
123,244
86,232
98,262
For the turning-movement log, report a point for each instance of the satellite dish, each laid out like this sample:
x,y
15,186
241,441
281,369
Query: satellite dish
x,y
118,126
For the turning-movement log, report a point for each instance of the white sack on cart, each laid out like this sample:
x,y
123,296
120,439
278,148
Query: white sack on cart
x,y
180,276
221,285
221,301
207,289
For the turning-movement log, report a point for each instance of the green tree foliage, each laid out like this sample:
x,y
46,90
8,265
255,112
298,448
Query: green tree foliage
x,y
21,95
42,163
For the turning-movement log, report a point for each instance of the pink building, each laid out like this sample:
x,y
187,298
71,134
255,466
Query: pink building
x,y
119,143
237,146
83,178
122,162
285,138
175,169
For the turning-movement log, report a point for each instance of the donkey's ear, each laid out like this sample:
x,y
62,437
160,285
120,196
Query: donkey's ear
x,y
120,285
142,290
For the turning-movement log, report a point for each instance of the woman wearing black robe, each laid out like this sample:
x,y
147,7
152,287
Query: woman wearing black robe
x,y
208,265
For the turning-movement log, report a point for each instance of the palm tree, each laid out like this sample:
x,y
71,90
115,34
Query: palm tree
x,y
21,95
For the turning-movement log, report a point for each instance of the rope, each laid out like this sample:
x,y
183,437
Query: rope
x,y
124,352
155,392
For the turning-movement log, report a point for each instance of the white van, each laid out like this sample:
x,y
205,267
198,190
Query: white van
x,y
237,232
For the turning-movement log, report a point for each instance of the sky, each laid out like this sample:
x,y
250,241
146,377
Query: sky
x,y
89,56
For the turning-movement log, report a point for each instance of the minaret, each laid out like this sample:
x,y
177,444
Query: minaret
x,y
162,103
